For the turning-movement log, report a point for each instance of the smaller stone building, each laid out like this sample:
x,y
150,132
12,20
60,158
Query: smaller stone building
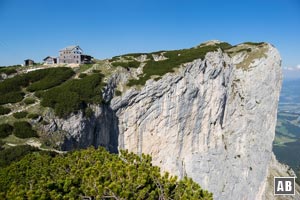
x,y
50,60
28,62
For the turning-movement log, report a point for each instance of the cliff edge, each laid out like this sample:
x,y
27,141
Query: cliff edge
x,y
212,119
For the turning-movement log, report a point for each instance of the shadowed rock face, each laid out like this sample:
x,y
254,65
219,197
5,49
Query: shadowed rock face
x,y
101,129
213,120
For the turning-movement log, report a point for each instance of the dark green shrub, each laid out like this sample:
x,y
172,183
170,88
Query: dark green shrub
x,y
44,122
23,129
28,101
82,75
254,43
115,58
4,111
134,54
88,112
130,64
1,145
118,93
12,154
11,97
8,70
96,173
74,95
10,89
5,130
20,115
96,71
32,116
38,94
49,78
157,78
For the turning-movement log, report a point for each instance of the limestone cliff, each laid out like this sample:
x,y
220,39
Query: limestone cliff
x,y
212,120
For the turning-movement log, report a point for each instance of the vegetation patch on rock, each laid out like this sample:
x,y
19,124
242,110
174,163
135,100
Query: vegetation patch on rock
x,y
4,110
20,115
93,173
11,89
73,95
23,129
174,60
5,130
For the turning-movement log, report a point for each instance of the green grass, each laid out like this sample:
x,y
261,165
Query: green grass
x,y
74,95
175,59
239,50
12,139
282,139
84,67
29,101
255,53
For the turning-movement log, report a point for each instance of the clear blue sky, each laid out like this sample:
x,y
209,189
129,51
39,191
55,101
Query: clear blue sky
x,y
104,28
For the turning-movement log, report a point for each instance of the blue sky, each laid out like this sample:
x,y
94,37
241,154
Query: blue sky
x,y
104,28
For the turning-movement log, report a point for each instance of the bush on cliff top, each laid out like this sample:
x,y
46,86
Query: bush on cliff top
x,y
10,89
93,173
74,95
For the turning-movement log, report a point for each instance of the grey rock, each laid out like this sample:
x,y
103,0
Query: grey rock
x,y
159,57
211,121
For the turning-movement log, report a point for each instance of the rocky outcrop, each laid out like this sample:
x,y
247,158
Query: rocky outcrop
x,y
213,120
81,131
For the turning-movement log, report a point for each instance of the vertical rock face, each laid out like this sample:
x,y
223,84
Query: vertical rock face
x,y
100,129
213,121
